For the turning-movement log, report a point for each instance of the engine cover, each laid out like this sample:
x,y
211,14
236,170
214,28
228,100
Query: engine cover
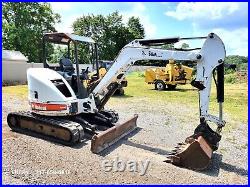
x,y
50,93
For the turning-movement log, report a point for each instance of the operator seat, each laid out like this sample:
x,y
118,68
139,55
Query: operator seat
x,y
67,70
66,65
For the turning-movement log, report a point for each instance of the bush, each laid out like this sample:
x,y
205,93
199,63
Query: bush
x,y
141,74
13,83
229,71
231,78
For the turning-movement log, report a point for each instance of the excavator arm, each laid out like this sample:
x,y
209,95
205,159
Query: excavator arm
x,y
196,151
210,56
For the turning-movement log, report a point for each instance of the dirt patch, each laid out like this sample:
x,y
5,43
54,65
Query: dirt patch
x,y
31,160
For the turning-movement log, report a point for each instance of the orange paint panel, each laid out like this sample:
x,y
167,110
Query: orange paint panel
x,y
48,107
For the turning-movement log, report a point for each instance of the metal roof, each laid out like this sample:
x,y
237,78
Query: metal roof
x,y
65,38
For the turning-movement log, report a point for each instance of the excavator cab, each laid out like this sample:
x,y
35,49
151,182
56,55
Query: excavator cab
x,y
65,67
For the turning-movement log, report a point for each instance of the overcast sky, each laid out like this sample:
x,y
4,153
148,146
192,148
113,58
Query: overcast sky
x,y
228,20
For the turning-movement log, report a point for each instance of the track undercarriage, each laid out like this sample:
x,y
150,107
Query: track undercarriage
x,y
101,127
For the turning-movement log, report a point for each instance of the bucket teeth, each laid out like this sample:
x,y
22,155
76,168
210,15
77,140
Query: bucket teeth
x,y
168,160
194,155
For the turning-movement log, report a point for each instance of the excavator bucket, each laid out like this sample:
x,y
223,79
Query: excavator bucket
x,y
106,138
194,154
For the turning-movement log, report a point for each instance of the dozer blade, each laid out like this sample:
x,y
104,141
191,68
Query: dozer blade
x,y
194,154
106,138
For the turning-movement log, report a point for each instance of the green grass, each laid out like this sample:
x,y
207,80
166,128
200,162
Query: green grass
x,y
19,91
235,105
236,96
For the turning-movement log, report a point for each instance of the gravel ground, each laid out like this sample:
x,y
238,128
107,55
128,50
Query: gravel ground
x,y
30,160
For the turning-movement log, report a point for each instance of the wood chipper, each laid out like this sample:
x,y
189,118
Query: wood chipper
x,y
168,76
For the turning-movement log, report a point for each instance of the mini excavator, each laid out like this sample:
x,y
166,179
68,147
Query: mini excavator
x,y
66,115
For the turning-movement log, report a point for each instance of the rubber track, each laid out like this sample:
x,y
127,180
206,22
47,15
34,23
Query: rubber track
x,y
75,129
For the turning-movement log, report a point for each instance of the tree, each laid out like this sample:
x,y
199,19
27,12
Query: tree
x,y
24,25
135,27
241,62
167,46
58,52
184,46
236,59
109,32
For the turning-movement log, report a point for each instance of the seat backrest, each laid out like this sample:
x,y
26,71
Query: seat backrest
x,y
66,65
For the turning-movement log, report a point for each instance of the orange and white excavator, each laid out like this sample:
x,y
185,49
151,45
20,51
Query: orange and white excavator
x,y
67,115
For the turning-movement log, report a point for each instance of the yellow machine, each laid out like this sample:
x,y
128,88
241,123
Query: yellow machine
x,y
169,76
104,67
102,72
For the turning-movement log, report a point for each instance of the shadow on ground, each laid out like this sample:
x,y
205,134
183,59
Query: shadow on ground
x,y
147,148
175,90
213,169
120,142
217,164
122,96
126,141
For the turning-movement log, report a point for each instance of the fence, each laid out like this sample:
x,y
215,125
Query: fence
x,y
242,75
14,72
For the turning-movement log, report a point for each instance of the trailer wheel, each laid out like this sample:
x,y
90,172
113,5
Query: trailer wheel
x,y
171,87
160,85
